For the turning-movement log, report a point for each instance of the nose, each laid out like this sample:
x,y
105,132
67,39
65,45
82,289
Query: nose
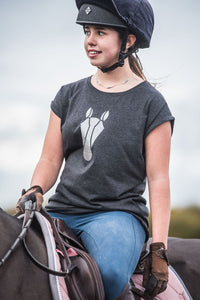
x,y
91,40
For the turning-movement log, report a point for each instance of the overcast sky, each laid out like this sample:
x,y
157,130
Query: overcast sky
x,y
41,48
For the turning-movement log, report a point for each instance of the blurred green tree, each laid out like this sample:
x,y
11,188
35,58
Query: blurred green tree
x,y
184,223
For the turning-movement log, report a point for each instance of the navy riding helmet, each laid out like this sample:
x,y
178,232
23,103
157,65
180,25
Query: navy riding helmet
x,y
134,16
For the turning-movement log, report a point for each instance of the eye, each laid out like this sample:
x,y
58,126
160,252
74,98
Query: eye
x,y
101,33
86,31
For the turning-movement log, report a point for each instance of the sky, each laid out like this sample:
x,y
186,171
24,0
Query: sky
x,y
41,48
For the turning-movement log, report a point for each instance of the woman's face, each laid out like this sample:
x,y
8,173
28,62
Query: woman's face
x,y
102,45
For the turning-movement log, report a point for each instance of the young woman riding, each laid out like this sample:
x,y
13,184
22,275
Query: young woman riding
x,y
113,130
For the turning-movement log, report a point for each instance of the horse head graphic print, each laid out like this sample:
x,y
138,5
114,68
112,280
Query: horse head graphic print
x,y
91,128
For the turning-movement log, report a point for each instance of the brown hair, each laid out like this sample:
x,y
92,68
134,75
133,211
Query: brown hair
x,y
133,59
135,66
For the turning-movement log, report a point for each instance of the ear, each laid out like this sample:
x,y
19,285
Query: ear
x,y
130,41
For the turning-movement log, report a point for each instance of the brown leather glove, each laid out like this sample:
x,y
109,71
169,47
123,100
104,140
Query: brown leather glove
x,y
35,194
155,275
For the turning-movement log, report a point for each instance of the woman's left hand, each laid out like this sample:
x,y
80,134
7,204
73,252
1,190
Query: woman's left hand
x,y
155,276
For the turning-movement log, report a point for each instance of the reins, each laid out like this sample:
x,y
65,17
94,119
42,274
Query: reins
x,y
30,208
67,263
23,233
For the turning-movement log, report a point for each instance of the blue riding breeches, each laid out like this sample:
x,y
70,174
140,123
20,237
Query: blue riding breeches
x,y
114,239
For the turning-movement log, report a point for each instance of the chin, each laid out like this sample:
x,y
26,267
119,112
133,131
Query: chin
x,y
95,64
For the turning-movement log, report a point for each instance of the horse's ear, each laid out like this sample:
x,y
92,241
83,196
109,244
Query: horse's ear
x,y
89,113
105,115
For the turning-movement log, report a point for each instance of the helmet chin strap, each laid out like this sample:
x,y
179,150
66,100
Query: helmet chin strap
x,y
120,63
122,55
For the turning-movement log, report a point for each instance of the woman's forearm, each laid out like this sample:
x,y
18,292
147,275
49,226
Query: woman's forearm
x,y
48,167
45,174
157,146
159,194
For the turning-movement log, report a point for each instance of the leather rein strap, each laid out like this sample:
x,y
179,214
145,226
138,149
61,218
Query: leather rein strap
x,y
67,262
30,208
23,233
138,293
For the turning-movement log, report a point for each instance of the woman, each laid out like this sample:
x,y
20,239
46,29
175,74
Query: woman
x,y
113,129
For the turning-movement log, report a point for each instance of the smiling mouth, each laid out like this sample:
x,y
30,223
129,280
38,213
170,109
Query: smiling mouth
x,y
93,52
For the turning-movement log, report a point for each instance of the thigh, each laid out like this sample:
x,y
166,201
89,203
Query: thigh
x,y
114,238
108,235
115,241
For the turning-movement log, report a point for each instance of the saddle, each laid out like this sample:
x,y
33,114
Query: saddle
x,y
133,289
83,281
70,240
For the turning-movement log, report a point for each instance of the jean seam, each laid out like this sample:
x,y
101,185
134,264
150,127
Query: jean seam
x,y
134,250
91,237
132,256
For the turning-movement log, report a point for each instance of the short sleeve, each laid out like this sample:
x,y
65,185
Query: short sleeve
x,y
56,104
59,104
158,113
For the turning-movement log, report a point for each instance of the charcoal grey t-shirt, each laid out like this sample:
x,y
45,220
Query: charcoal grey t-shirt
x,y
103,135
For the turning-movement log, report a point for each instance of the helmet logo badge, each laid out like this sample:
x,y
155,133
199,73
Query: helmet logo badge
x,y
88,10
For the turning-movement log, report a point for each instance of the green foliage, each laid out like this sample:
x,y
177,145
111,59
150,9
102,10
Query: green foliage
x,y
185,222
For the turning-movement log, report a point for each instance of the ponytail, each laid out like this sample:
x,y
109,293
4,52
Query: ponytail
x,y
136,66
133,59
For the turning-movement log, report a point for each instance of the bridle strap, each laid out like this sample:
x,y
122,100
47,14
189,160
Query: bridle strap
x,y
67,263
42,266
140,293
22,235
30,208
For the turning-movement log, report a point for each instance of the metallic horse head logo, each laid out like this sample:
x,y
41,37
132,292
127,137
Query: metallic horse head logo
x,y
90,130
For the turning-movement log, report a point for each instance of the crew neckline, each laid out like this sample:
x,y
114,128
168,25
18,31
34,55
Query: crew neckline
x,y
114,93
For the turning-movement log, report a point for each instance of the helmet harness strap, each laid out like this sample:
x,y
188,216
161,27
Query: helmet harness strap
x,y
122,54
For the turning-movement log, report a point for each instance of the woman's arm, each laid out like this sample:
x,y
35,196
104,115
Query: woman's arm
x,y
48,167
157,146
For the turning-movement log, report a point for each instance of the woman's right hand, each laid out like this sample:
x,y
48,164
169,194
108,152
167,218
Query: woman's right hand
x,y
35,194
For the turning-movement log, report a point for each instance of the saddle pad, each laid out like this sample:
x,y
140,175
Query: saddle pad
x,y
176,289
57,283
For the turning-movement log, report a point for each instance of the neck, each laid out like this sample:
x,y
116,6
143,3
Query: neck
x,y
119,74
119,79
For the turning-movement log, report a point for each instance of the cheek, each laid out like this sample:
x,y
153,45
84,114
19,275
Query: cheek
x,y
115,47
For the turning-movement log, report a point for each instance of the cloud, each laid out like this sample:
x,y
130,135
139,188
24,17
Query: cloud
x,y
42,49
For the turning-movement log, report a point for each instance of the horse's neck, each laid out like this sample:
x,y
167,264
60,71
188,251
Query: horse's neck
x,y
10,228
19,277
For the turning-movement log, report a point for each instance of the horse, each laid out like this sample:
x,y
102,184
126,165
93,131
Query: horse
x,y
21,279
185,259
